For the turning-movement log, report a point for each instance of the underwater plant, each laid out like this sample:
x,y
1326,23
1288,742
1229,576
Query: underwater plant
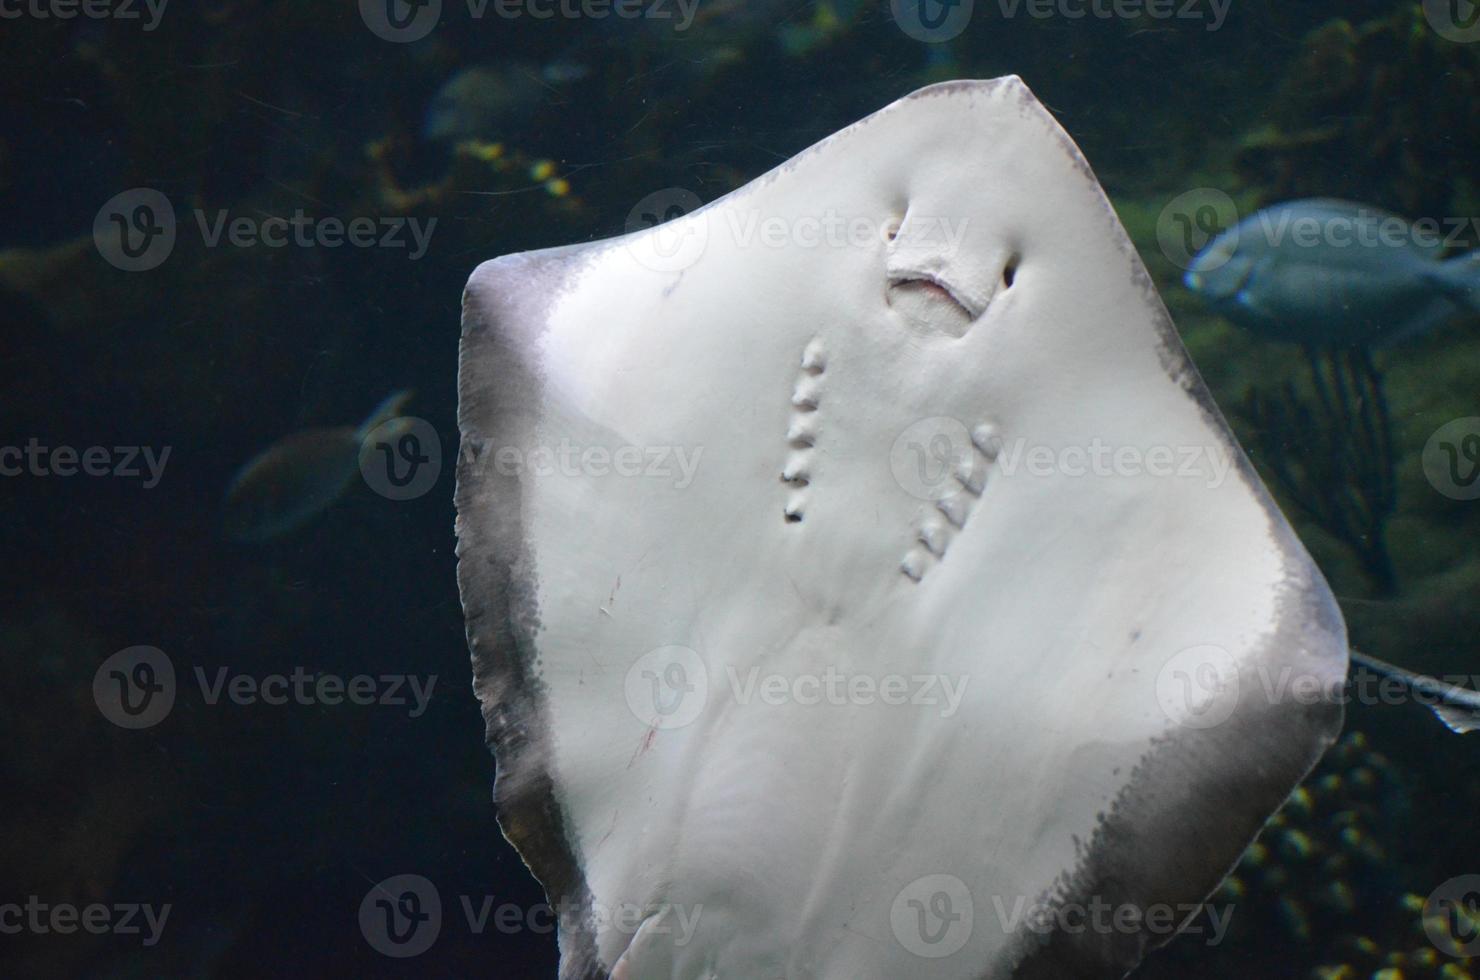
x,y
1332,455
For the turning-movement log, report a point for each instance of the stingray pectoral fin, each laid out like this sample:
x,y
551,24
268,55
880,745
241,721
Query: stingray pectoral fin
x,y
501,396
824,635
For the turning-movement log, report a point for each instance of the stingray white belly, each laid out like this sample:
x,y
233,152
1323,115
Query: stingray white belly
x,y
831,595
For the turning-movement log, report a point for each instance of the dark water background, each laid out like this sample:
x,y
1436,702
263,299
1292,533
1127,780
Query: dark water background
x,y
265,826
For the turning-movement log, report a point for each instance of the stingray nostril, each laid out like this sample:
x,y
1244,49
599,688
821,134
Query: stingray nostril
x,y
1009,271
895,222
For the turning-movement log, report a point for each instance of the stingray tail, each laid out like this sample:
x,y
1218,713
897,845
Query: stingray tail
x,y
1457,707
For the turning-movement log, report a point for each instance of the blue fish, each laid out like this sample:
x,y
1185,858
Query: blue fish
x,y
1331,273
294,480
485,102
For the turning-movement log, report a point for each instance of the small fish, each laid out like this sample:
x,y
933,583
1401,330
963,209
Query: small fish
x,y
297,478
1331,273
565,71
485,102
493,102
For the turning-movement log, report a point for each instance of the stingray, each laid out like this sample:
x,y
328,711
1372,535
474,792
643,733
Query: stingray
x,y
921,660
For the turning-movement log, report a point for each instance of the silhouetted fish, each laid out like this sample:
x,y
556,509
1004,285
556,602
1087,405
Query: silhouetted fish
x,y
298,477
1333,273
485,102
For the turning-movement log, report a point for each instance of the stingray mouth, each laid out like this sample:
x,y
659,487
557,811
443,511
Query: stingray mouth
x,y
930,304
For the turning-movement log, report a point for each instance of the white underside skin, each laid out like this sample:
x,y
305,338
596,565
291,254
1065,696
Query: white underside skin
x,y
770,840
